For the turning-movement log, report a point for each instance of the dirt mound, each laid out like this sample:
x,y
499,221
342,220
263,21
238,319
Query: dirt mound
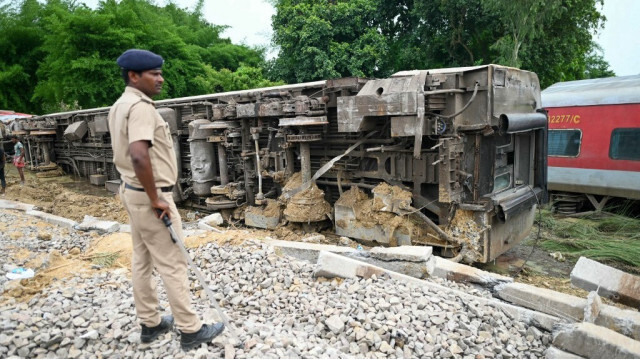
x,y
308,206
118,244
53,198
75,206
464,227
233,237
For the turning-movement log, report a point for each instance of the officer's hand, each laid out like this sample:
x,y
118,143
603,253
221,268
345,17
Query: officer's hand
x,y
161,208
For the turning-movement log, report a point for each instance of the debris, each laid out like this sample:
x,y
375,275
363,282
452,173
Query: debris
x,y
345,241
459,272
313,239
214,219
593,307
305,251
557,256
307,205
555,353
20,273
543,300
90,223
608,282
592,341
44,236
299,305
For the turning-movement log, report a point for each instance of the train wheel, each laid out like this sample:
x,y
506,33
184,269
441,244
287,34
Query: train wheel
x,y
567,203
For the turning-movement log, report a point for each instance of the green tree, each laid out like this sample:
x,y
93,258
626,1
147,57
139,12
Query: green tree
x,y
596,66
524,21
20,41
562,50
72,51
454,32
550,37
319,40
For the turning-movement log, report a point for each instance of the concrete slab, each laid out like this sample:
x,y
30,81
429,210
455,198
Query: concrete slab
x,y
543,300
402,253
572,308
335,265
593,307
555,353
608,282
593,341
7,204
90,223
125,228
418,265
624,321
305,251
458,272
98,180
50,218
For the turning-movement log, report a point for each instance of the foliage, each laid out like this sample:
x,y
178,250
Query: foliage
x,y
320,40
20,50
596,66
561,52
70,50
613,239
524,20
244,78
376,38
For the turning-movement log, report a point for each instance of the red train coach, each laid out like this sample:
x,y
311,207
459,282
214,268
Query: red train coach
x,y
594,141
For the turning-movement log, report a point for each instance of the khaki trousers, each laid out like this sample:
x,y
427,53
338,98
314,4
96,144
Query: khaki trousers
x,y
153,247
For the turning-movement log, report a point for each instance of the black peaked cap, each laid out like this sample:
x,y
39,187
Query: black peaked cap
x,y
139,60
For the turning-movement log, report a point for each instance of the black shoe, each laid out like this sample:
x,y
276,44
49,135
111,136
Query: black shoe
x,y
189,341
150,334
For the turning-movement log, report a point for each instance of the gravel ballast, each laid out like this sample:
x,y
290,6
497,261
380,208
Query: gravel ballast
x,y
279,309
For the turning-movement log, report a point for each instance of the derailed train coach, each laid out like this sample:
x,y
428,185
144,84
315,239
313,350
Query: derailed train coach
x,y
454,158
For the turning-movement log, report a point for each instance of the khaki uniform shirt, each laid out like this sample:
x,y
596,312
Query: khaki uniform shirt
x,y
134,118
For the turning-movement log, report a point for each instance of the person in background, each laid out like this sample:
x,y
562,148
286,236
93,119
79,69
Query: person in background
x,y
18,156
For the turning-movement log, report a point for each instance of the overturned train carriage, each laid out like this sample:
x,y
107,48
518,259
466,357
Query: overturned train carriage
x,y
454,158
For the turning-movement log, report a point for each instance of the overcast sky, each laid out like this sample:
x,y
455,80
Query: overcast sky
x,y
250,23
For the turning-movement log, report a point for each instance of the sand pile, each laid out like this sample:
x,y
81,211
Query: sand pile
x,y
368,215
53,198
305,206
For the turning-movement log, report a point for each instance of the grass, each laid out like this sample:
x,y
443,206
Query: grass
x,y
104,259
612,239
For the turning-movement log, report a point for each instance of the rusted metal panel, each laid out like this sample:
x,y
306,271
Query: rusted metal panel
x,y
270,109
303,121
246,110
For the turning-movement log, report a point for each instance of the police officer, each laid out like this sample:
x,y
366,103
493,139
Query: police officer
x,y
143,154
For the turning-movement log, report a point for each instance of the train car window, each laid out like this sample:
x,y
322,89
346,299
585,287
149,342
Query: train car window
x,y
625,144
502,181
565,143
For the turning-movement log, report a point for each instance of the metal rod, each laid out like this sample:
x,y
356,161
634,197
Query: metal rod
x,y
222,159
259,196
289,166
305,161
443,235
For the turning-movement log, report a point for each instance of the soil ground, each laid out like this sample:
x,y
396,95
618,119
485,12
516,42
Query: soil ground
x,y
73,198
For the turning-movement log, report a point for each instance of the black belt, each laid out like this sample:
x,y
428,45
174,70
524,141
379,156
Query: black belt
x,y
163,189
